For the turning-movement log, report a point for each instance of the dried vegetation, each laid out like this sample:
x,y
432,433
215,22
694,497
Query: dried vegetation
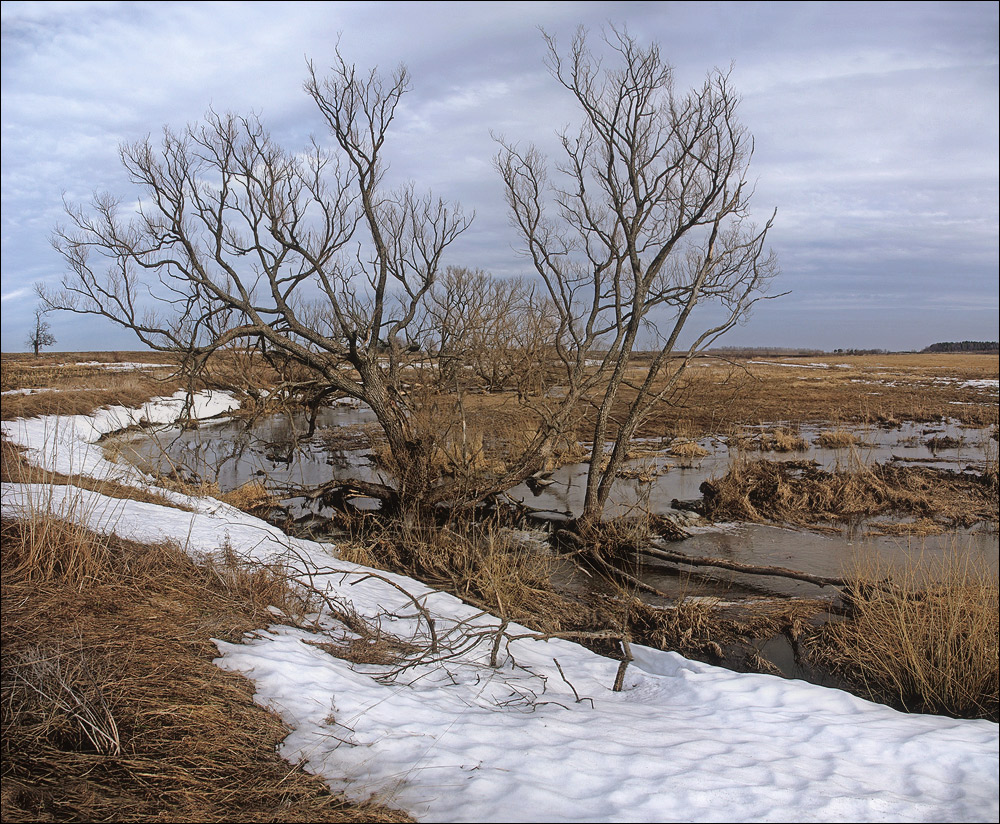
x,y
919,646
81,383
797,492
105,725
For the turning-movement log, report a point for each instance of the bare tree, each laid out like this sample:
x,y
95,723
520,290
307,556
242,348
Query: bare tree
x,y
40,335
492,332
308,256
309,259
646,219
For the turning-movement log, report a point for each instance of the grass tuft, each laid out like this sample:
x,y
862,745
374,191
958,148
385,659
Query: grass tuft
x,y
797,492
930,648
837,439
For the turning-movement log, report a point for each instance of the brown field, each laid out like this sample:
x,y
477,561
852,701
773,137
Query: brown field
x,y
882,390
75,386
717,394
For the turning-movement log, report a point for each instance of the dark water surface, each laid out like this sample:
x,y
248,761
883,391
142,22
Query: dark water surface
x,y
275,452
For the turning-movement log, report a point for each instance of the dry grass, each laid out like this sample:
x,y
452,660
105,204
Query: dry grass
x,y
710,630
688,453
482,433
837,439
252,497
879,390
799,493
81,383
781,440
105,725
481,564
930,648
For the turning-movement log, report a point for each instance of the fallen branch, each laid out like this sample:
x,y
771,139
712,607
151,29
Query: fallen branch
x,y
736,566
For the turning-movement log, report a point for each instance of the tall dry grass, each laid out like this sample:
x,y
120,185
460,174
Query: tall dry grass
x,y
480,563
923,646
112,709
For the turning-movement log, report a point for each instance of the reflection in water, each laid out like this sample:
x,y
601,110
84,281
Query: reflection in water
x,y
275,451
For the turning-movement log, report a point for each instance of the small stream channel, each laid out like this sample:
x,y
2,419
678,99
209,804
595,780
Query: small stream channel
x,y
275,452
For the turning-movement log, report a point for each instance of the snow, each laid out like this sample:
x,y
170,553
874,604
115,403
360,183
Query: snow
x,y
791,365
29,391
125,366
541,736
69,444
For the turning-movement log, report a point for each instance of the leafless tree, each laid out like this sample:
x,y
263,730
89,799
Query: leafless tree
x,y
40,335
491,332
309,259
645,220
308,256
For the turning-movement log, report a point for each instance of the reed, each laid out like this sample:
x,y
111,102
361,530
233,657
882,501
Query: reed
x,y
928,642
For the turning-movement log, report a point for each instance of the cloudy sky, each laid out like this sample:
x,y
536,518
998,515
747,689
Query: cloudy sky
x,y
875,127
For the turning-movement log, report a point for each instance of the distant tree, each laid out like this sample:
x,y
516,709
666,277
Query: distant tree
x,y
40,335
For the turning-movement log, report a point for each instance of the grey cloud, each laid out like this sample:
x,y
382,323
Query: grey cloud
x,y
875,128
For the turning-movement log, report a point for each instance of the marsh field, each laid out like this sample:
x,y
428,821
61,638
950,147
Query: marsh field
x,y
826,517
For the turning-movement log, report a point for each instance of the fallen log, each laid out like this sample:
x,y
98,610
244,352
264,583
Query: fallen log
x,y
736,566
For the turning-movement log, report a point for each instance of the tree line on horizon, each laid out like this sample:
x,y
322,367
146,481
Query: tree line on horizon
x,y
964,346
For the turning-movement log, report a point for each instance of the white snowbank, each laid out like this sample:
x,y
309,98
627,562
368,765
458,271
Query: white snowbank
x,y
69,443
791,365
125,366
453,739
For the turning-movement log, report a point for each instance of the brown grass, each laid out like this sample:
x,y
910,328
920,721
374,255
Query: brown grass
x,y
782,440
881,390
483,565
931,648
710,630
799,493
252,497
74,386
190,744
837,439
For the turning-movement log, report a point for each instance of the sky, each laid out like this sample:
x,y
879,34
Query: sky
x,y
874,124
537,733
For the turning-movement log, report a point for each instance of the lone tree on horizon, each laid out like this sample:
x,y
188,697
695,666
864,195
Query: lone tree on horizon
x,y
41,334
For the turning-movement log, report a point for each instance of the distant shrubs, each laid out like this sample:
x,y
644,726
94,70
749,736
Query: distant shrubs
x,y
964,346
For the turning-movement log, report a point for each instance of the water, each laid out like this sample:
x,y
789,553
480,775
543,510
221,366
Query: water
x,y
276,452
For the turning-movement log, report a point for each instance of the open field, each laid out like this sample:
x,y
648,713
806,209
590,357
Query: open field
x,y
79,382
717,393
880,390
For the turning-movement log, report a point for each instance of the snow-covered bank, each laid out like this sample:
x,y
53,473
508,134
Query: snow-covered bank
x,y
454,739
69,443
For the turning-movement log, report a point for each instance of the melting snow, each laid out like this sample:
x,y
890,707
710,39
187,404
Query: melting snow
x,y
541,736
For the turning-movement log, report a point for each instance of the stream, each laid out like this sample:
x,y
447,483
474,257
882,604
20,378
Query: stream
x,y
275,452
